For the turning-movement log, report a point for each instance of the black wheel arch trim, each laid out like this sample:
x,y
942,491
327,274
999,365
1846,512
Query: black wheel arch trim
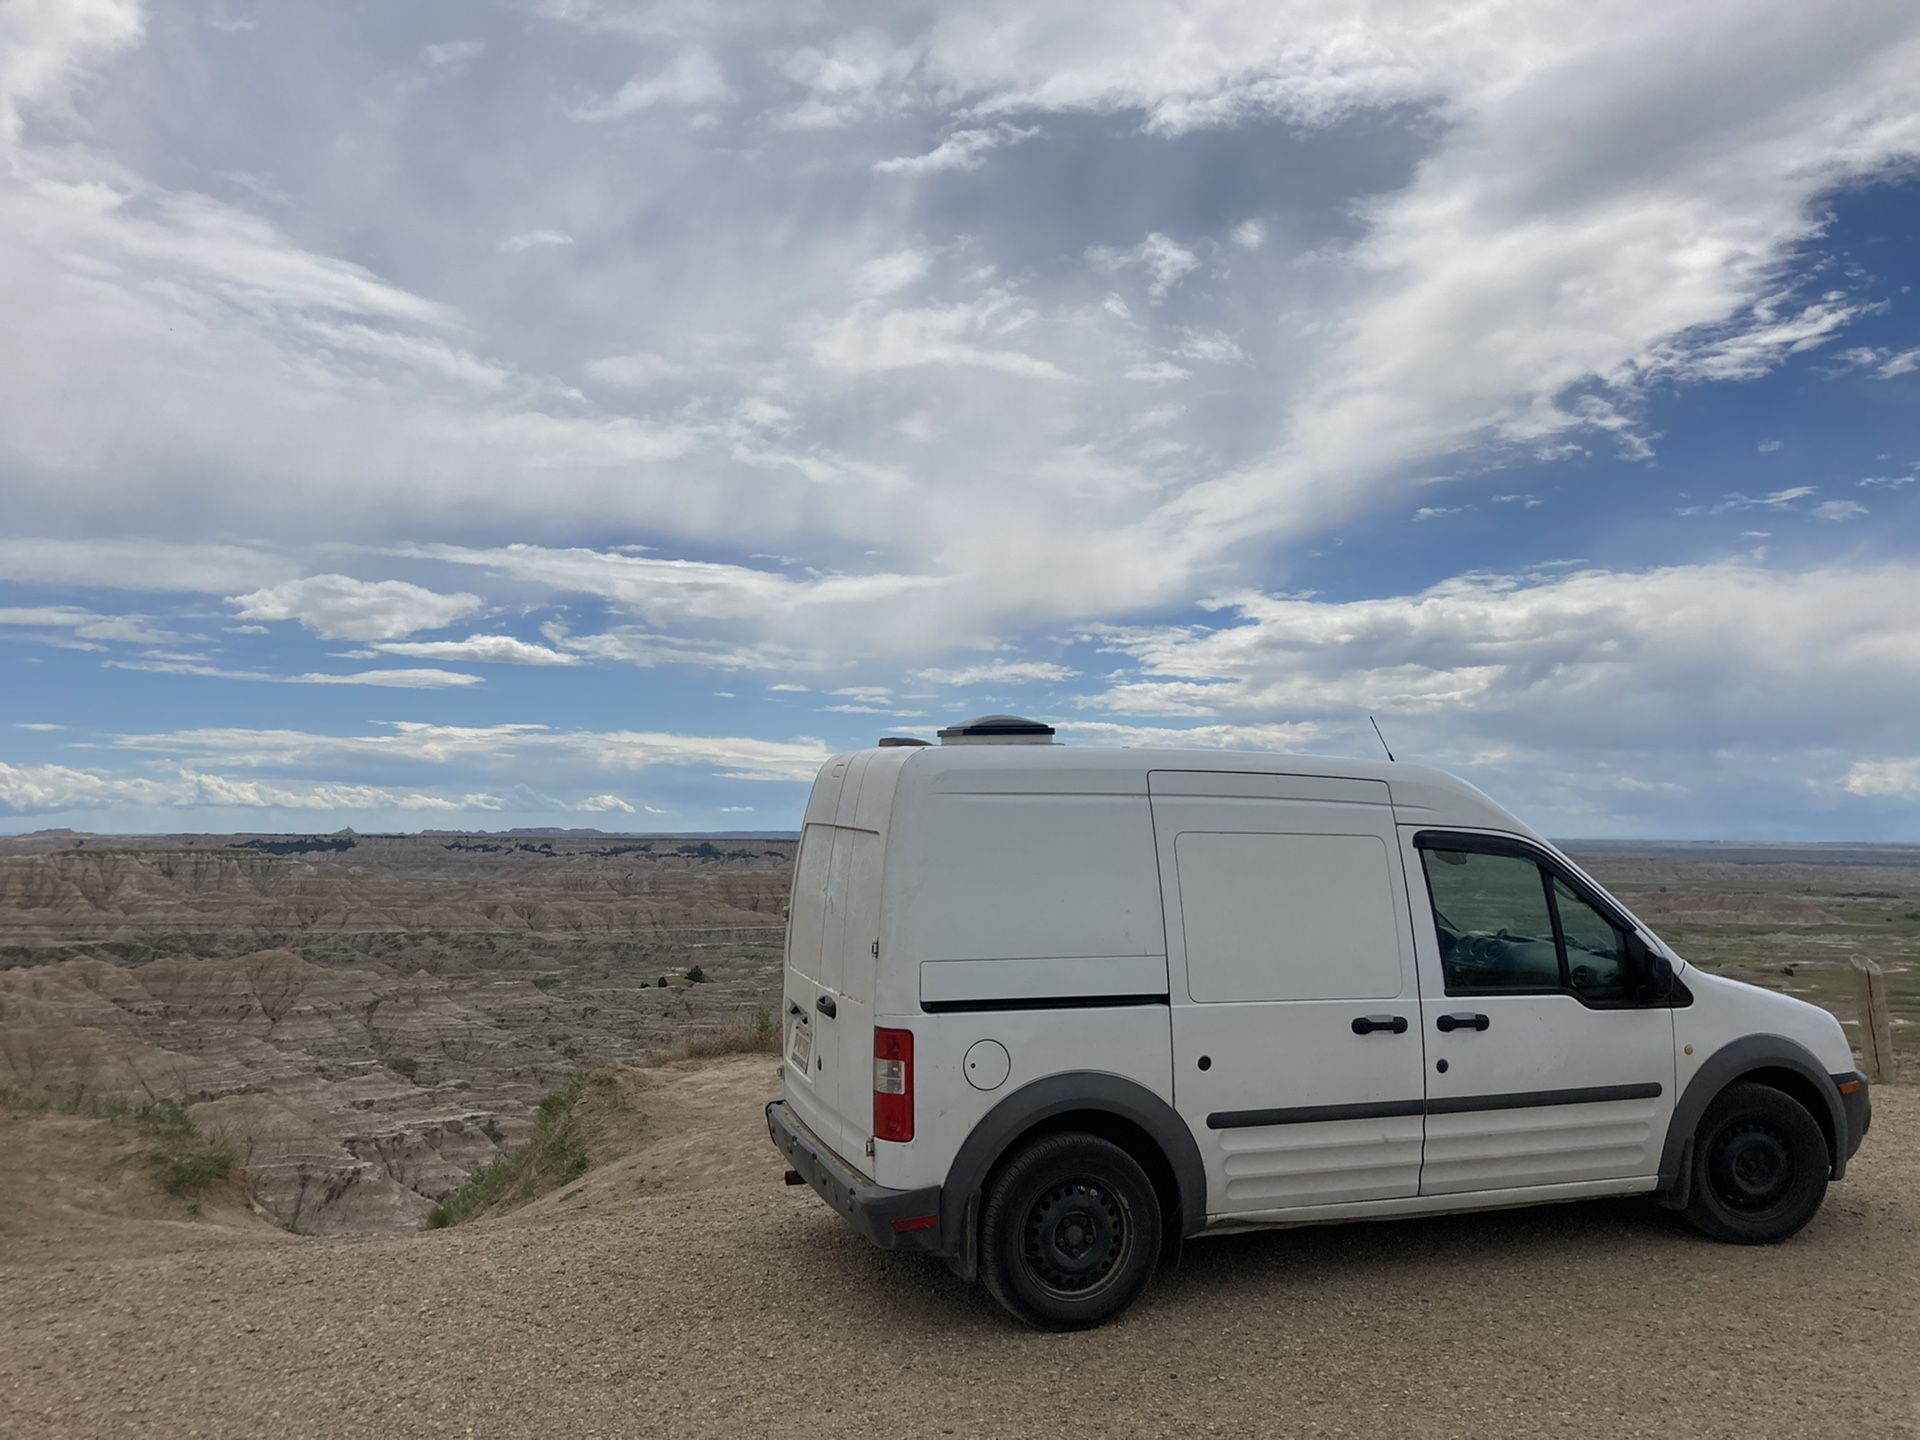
x,y
1730,1063
1046,1099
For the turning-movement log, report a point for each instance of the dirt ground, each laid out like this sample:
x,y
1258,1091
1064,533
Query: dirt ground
x,y
684,1291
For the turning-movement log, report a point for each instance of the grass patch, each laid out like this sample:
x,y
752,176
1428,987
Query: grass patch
x,y
755,1034
186,1160
16,1101
555,1154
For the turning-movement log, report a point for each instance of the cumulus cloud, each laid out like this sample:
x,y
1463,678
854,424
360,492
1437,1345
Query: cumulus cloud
x,y
497,750
962,150
50,789
635,370
1899,779
998,672
887,273
338,607
125,563
380,679
691,78
874,338
535,240
1685,658
496,649
45,49
1734,500
1164,261
605,802
77,628
1157,372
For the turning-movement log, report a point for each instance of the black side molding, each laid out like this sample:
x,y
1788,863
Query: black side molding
x,y
1526,1099
1309,1114
1043,1002
1463,1105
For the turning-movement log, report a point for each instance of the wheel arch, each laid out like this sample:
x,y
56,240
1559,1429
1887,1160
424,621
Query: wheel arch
x,y
1774,1060
1111,1106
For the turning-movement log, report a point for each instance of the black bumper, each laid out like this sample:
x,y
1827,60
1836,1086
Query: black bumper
x,y
891,1219
1858,1108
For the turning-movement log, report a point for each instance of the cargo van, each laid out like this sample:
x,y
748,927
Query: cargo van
x,y
1051,1011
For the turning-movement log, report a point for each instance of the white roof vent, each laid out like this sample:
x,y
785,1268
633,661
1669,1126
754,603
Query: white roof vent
x,y
997,730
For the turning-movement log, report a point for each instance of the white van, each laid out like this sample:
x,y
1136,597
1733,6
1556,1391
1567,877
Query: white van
x,y
1051,1011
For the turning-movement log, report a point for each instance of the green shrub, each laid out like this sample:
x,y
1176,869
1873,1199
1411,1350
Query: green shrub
x,y
696,975
554,1155
756,1034
185,1159
24,1102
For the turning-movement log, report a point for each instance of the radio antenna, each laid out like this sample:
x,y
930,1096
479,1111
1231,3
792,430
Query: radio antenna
x,y
1381,738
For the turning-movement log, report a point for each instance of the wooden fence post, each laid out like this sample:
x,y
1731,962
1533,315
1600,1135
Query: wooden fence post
x,y
1876,1021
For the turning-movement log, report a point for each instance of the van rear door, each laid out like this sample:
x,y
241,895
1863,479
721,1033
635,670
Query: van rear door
x,y
833,931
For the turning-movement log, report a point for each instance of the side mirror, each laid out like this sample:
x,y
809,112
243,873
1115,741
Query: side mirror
x,y
1652,972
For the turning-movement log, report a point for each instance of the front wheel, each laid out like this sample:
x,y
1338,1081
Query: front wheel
x,y
1759,1167
1069,1232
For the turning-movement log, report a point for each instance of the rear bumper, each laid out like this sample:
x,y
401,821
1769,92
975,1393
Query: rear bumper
x,y
891,1219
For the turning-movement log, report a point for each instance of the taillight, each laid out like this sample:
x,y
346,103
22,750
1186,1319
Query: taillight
x,y
892,1084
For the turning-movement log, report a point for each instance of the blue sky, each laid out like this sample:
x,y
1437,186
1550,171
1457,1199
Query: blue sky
x,y
575,412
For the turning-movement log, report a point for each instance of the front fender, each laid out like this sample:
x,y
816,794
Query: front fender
x,y
1735,1059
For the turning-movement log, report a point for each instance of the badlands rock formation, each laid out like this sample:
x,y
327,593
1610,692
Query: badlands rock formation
x,y
372,1017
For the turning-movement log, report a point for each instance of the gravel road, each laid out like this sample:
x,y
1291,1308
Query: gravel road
x,y
721,1303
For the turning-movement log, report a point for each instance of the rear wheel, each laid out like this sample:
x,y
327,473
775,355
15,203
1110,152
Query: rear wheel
x,y
1759,1167
1069,1232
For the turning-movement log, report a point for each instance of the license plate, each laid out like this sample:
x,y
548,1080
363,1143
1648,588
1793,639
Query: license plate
x,y
801,1052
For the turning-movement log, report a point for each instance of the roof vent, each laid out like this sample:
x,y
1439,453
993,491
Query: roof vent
x,y
998,730
889,742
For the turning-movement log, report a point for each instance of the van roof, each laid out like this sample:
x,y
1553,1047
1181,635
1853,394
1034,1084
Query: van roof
x,y
1420,794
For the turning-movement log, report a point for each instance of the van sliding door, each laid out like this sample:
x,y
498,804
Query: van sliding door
x,y
1297,1046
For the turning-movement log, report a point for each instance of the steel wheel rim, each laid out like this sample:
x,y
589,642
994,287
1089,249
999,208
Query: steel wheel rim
x,y
1750,1167
1076,1238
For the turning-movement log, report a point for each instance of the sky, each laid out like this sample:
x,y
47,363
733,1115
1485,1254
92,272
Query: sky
x,y
595,414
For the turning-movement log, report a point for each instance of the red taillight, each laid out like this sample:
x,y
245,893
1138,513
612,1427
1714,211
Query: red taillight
x,y
892,1084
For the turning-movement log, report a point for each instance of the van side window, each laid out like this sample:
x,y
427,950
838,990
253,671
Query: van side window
x,y
1596,950
1495,930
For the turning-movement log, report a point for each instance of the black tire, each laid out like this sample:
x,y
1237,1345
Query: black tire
x,y
1069,1232
1760,1167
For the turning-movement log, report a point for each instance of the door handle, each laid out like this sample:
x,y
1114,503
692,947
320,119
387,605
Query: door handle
x,y
1462,1022
826,1006
1367,1024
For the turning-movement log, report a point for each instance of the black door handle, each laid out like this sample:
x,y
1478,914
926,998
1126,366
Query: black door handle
x,y
1462,1022
1367,1024
826,1006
